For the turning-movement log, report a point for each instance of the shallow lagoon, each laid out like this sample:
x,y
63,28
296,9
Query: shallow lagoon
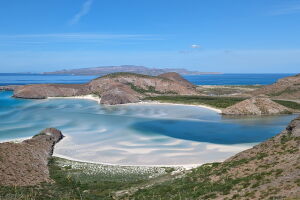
x,y
139,134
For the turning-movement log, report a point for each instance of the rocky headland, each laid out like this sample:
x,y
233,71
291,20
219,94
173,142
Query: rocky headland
x,y
26,163
259,105
116,88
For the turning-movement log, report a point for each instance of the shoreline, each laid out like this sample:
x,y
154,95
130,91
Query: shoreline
x,y
184,166
174,104
86,97
98,99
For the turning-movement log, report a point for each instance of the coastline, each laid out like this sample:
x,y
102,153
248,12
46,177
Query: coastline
x,y
183,166
98,99
87,97
175,104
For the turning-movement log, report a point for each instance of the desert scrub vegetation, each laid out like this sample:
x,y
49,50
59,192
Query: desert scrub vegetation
x,y
150,89
288,90
289,104
217,102
78,180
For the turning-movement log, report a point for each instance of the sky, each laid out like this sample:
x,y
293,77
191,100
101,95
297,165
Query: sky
x,y
230,36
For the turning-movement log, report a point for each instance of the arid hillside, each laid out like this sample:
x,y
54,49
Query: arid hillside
x,y
285,88
25,163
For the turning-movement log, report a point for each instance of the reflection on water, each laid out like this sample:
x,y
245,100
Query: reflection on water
x,y
135,134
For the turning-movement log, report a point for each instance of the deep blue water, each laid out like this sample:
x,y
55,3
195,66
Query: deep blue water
x,y
211,79
236,79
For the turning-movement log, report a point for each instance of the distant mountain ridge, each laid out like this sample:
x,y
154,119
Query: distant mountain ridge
x,y
100,71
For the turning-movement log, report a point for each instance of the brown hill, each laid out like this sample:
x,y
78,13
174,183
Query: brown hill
x,y
116,88
256,106
285,88
25,163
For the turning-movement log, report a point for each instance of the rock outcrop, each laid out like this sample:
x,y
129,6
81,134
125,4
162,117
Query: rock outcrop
x,y
117,88
285,88
25,163
256,106
9,87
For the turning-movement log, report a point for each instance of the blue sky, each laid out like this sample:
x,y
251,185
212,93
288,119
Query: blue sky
x,y
238,36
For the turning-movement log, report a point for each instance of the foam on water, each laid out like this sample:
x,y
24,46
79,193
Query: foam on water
x,y
135,134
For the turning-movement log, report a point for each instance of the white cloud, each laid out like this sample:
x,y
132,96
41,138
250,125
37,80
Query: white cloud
x,y
83,11
195,46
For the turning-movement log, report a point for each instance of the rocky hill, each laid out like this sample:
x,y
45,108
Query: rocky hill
x,y
259,105
270,170
285,88
100,71
116,88
25,163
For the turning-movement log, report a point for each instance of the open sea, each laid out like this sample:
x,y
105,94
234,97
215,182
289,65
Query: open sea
x,y
210,79
136,134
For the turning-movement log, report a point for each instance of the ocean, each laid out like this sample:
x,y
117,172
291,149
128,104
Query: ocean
x,y
210,79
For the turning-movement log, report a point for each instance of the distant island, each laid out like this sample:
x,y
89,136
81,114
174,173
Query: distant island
x,y
104,70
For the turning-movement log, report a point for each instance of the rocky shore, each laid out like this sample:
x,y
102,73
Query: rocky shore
x,y
25,163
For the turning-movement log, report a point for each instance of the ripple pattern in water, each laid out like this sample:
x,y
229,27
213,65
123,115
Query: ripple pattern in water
x,y
135,134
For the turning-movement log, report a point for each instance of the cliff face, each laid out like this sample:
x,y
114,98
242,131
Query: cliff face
x,y
256,106
285,88
115,88
25,163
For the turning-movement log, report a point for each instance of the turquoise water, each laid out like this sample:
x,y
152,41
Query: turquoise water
x,y
135,134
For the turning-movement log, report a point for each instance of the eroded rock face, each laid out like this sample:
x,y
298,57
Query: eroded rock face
x,y
285,88
114,89
256,106
25,163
